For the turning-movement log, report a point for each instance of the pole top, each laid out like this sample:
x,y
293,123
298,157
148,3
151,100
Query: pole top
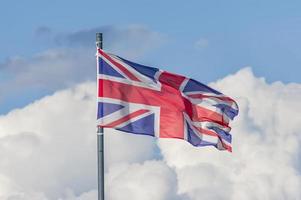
x,y
99,40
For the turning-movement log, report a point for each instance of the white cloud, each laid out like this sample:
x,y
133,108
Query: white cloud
x,y
148,181
50,145
48,150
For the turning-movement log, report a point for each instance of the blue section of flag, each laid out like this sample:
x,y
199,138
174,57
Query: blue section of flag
x,y
145,70
223,134
105,68
230,112
144,126
107,108
193,85
193,139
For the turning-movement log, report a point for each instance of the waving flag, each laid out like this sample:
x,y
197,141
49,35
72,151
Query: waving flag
x,y
144,100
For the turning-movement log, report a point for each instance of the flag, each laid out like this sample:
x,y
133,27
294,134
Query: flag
x,y
149,101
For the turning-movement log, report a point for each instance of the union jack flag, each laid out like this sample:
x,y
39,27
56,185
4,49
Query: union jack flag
x,y
144,100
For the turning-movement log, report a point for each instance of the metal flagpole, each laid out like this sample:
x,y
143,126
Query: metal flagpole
x,y
100,139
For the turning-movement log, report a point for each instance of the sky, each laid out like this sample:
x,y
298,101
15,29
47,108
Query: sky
x,y
213,38
249,50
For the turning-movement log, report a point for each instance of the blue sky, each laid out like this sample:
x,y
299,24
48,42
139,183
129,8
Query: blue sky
x,y
48,98
206,40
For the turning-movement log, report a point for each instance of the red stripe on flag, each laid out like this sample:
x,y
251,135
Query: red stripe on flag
x,y
202,96
202,114
121,67
206,132
172,80
224,126
135,94
126,118
227,147
171,123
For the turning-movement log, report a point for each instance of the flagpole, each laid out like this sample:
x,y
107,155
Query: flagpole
x,y
100,138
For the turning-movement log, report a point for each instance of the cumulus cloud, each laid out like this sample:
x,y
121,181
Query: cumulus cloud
x,y
148,181
48,150
50,145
